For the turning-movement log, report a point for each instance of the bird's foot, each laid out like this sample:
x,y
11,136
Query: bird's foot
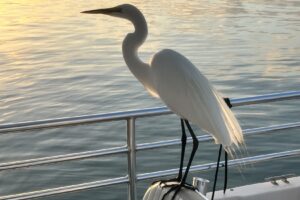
x,y
164,182
176,187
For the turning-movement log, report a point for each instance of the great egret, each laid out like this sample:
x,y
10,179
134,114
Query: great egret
x,y
179,84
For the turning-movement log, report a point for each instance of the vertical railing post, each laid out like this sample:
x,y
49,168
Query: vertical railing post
x,y
131,159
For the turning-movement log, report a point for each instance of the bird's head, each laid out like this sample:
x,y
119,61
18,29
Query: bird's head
x,y
125,11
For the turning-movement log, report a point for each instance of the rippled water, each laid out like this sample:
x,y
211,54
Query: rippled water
x,y
56,62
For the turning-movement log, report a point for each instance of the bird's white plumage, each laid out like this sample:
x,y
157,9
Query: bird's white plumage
x,y
189,94
180,85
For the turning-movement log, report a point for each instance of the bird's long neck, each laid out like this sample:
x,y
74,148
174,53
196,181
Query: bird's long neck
x,y
130,47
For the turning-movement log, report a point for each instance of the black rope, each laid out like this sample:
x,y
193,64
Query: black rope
x,y
216,173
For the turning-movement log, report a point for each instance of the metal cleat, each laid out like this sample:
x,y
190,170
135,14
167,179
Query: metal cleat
x,y
283,178
201,184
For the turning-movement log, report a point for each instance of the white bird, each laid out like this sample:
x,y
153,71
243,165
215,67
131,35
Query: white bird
x,y
180,85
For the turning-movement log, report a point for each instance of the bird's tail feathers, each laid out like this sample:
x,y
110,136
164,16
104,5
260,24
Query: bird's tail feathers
x,y
232,126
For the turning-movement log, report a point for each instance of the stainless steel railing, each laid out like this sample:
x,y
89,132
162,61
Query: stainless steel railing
x,y
131,148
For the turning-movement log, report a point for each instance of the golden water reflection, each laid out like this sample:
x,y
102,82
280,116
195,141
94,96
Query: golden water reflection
x,y
41,31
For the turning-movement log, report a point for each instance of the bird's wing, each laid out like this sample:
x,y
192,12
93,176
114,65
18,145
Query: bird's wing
x,y
189,94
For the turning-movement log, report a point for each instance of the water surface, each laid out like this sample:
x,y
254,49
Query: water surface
x,y
56,62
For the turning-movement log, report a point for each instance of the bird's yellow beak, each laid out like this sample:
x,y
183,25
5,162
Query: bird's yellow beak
x,y
106,11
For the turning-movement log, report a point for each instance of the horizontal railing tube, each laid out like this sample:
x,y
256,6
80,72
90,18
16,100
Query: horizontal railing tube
x,y
145,176
71,121
62,158
235,162
204,138
85,119
123,149
265,98
66,189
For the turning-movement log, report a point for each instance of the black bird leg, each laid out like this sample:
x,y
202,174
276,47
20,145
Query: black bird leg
x,y
182,180
183,144
227,101
226,172
182,183
216,173
195,147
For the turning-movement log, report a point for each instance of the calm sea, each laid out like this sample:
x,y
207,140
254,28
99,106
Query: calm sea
x,y
56,62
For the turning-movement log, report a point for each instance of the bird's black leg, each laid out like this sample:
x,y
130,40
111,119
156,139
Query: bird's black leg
x,y
195,147
227,101
183,144
226,172
183,180
216,173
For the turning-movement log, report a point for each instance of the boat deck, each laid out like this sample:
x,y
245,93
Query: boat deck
x,y
263,191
